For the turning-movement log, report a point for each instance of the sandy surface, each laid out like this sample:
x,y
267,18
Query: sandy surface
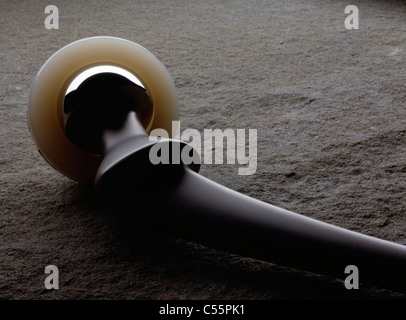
x,y
329,105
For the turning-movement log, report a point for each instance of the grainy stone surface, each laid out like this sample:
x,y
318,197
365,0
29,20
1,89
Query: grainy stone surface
x,y
329,105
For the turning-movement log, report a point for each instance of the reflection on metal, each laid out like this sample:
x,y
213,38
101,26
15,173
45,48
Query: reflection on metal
x,y
102,69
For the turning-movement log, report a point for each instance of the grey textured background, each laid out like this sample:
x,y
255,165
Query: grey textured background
x,y
329,105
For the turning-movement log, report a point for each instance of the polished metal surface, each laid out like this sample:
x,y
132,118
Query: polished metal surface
x,y
102,69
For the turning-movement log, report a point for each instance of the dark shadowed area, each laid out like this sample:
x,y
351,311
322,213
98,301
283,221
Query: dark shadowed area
x,y
329,105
